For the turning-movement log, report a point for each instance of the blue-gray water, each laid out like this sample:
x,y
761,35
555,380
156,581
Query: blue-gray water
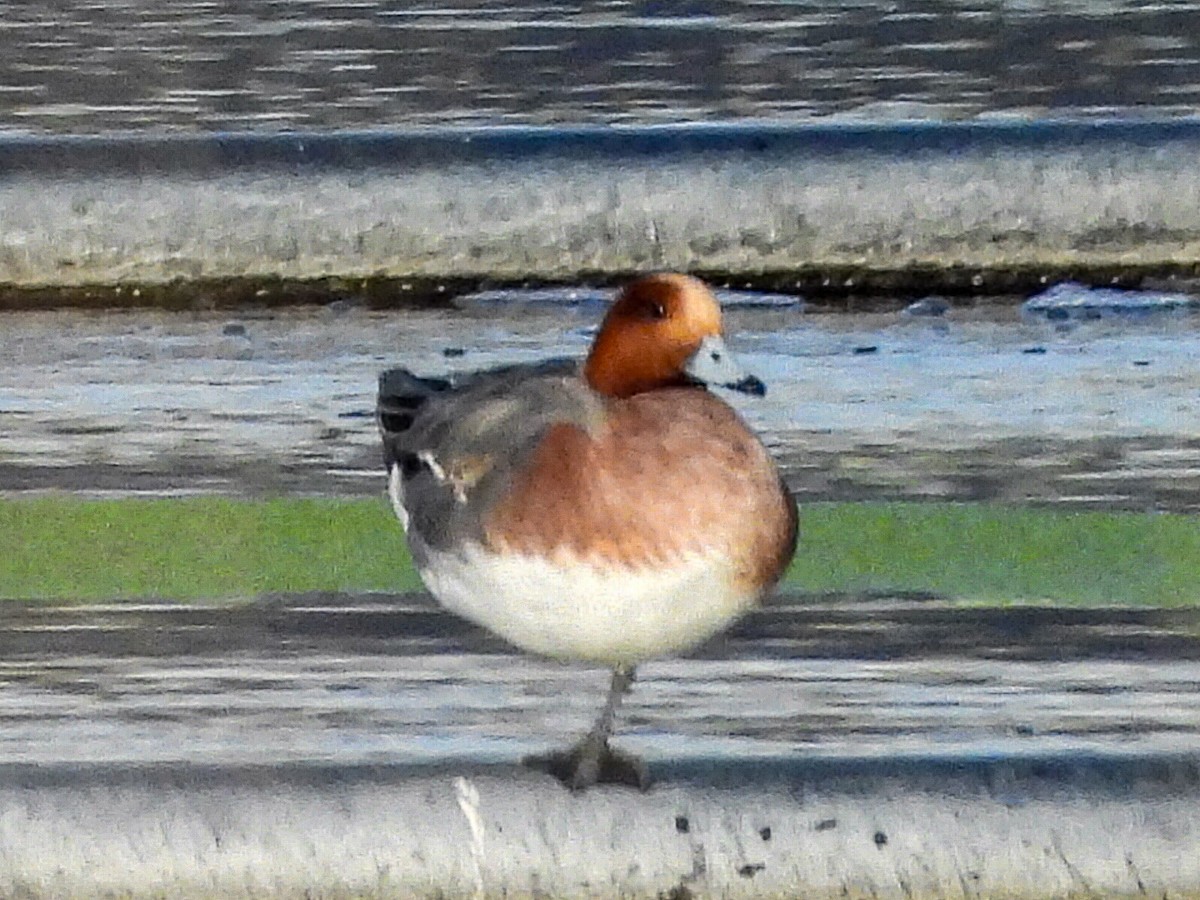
x,y
974,405
319,65
207,713
981,209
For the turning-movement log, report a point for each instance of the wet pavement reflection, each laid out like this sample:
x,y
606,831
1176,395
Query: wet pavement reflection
x,y
973,405
353,680
860,406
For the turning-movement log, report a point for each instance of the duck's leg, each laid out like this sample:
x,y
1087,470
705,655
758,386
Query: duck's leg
x,y
592,760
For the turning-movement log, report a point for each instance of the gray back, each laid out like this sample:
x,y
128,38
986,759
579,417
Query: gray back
x,y
478,432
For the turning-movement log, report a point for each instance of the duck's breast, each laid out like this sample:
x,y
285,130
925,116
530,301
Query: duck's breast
x,y
589,528
673,473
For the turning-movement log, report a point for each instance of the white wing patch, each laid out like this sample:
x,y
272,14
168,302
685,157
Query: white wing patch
x,y
461,478
435,467
461,473
396,494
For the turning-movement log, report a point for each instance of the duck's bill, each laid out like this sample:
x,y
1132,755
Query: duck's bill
x,y
751,384
713,364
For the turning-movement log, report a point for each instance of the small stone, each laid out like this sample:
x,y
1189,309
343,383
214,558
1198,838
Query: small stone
x,y
928,306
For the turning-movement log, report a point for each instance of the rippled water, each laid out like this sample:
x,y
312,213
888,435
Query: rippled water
x,y
196,65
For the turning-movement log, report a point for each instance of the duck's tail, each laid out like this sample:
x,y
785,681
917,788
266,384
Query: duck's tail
x,y
401,396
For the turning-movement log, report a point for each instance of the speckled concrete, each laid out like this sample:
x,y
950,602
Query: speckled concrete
x,y
369,747
845,200
813,830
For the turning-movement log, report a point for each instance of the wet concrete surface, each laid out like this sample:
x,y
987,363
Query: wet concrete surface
x,y
370,746
362,680
839,209
974,405
841,828
327,745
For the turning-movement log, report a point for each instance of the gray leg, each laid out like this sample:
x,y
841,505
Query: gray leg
x,y
622,684
592,760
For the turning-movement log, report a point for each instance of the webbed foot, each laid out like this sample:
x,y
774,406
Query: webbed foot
x,y
590,763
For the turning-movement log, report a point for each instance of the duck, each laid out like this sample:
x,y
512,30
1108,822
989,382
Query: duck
x,y
610,510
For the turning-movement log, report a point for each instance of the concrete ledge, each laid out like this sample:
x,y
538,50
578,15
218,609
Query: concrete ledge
x,y
816,828
815,208
331,747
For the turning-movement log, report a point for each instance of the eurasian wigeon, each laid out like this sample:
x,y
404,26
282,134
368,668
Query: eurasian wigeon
x,y
610,512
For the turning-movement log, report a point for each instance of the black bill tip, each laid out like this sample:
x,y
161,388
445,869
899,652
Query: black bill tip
x,y
749,385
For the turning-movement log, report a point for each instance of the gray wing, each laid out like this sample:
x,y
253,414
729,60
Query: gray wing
x,y
455,445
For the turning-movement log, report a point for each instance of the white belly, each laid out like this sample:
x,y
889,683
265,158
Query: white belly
x,y
584,612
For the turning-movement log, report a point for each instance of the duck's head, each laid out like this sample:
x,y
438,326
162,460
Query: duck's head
x,y
664,331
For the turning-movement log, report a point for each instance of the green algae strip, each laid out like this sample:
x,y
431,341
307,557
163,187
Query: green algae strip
x,y
65,548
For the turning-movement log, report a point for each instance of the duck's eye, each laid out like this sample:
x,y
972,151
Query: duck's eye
x,y
656,311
